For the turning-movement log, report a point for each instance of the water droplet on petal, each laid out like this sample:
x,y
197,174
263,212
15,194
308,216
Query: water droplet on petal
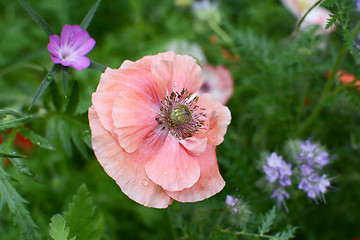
x,y
175,84
145,183
165,172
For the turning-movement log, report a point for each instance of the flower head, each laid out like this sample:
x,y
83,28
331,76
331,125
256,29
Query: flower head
x,y
277,168
317,16
71,47
218,82
153,136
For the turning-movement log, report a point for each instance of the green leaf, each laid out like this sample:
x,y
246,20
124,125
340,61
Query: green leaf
x,y
16,204
58,229
81,216
55,95
38,19
5,112
65,136
21,167
267,221
79,142
89,16
74,98
65,77
45,83
37,139
12,123
14,155
285,235
97,66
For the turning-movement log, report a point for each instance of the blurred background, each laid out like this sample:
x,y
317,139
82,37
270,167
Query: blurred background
x,y
279,75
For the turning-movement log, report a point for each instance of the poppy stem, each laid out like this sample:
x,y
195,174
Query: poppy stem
x,y
305,126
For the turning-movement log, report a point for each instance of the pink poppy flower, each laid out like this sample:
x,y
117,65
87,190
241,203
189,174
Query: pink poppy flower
x,y
317,16
152,136
217,81
70,49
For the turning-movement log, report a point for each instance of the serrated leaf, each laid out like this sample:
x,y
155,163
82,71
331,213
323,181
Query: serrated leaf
x,y
16,204
285,235
267,221
7,124
65,136
58,229
79,143
89,16
45,83
37,139
4,112
81,216
21,167
97,66
38,19
74,98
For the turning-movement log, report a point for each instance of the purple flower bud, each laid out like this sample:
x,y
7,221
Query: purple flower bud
x,y
322,159
230,201
304,185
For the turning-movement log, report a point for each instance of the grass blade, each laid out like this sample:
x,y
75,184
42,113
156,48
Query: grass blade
x,y
38,19
97,66
45,83
89,16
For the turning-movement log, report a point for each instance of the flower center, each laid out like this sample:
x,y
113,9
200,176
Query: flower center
x,y
180,115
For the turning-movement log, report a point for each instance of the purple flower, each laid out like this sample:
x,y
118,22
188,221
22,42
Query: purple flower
x,y
271,173
285,181
230,202
306,169
358,5
276,168
70,49
280,196
315,186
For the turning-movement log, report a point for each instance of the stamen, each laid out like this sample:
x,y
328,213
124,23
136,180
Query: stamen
x,y
180,115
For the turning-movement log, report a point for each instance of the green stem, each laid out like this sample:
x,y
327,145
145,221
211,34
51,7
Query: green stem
x,y
345,86
303,18
221,33
248,234
304,128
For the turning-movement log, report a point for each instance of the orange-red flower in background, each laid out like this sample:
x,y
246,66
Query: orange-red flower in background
x,y
152,136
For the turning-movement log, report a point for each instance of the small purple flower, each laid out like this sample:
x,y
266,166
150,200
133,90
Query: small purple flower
x,y
322,159
230,202
271,173
357,5
70,49
277,168
285,181
306,169
280,196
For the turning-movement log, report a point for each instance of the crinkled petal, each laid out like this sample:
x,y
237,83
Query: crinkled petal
x,y
113,81
194,145
56,59
218,118
186,73
209,183
126,169
172,167
134,117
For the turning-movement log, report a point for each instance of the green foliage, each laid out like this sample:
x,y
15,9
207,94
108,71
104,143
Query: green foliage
x,y
16,204
58,230
268,220
81,217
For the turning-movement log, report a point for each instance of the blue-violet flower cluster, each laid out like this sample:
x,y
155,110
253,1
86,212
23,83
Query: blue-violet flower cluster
x,y
308,165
